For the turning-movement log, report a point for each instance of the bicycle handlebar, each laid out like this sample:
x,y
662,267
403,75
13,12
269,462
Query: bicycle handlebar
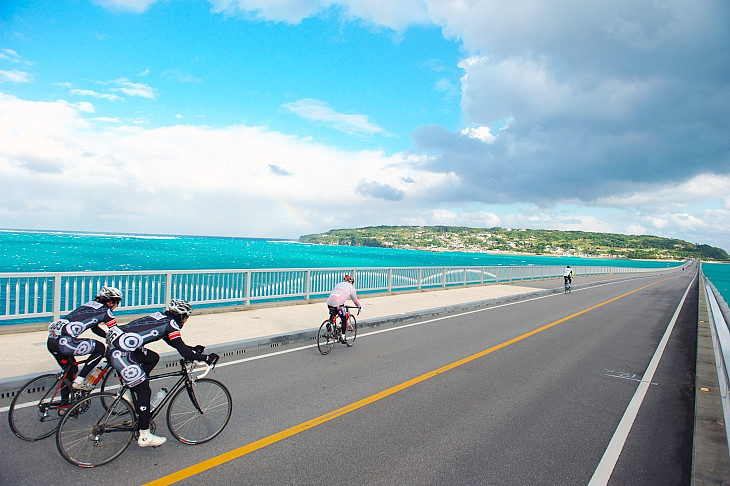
x,y
207,370
196,364
348,307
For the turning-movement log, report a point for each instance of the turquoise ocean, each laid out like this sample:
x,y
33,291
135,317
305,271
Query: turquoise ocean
x,y
55,251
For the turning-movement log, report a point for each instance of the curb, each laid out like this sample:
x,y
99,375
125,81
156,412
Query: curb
x,y
247,347
710,464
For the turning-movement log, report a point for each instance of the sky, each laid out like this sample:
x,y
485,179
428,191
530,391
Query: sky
x,y
277,118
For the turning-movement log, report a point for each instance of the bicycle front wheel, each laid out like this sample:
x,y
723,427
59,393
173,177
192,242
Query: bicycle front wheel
x,y
36,409
197,414
96,430
326,337
351,332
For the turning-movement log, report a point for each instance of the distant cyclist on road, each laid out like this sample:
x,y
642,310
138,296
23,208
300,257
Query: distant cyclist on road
x,y
134,362
335,302
568,275
63,342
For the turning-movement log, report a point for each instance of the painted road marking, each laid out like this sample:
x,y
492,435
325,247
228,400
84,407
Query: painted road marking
x,y
605,468
260,444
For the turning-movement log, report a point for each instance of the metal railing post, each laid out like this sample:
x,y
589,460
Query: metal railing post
x,y
56,297
247,288
307,284
168,288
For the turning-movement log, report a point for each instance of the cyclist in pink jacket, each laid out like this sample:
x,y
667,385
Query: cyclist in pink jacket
x,y
342,291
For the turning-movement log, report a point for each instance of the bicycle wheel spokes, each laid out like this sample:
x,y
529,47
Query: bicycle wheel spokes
x,y
34,412
96,430
351,333
325,337
191,425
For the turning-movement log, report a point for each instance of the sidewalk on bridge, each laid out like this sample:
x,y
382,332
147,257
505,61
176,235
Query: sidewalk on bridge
x,y
25,353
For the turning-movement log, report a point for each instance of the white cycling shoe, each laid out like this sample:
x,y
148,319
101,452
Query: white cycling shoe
x,y
148,439
82,386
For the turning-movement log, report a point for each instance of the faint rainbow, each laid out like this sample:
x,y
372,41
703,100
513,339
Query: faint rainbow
x,y
290,212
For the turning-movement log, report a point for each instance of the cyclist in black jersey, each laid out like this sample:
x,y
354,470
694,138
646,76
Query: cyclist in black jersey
x,y
127,354
63,342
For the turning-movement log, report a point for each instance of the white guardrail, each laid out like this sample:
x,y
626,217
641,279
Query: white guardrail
x,y
719,313
47,296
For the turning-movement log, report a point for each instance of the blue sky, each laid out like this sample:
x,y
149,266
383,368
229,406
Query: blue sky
x,y
271,118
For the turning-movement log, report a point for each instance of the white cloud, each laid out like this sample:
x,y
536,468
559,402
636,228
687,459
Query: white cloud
x,y
395,15
15,76
480,133
132,6
320,111
81,106
214,177
95,94
134,89
223,172
106,119
709,190
9,55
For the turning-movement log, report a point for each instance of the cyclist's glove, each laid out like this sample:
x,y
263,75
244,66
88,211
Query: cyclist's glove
x,y
211,359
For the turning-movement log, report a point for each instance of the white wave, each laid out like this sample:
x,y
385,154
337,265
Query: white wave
x,y
79,233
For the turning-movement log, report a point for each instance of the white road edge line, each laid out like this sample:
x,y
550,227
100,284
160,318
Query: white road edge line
x,y
610,457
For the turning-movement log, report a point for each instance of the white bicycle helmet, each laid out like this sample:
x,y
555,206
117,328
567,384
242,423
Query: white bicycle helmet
x,y
111,293
181,307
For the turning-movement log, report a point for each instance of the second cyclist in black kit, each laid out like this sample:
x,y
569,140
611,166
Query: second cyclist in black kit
x,y
127,354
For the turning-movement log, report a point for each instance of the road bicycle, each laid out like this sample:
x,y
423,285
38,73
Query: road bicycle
x,y
330,332
98,428
568,287
39,405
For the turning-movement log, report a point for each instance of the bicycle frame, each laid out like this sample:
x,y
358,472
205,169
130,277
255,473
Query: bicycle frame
x,y
347,313
185,380
45,393
65,379
99,427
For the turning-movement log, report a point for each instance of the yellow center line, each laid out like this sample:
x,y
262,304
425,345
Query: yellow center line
x,y
260,444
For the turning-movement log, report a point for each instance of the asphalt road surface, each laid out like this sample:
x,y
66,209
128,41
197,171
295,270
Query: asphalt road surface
x,y
556,390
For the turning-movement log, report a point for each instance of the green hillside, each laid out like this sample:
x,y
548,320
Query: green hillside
x,y
508,240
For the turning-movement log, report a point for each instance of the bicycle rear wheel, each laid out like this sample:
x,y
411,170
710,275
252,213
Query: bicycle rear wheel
x,y
34,411
326,337
112,384
191,424
96,430
351,333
